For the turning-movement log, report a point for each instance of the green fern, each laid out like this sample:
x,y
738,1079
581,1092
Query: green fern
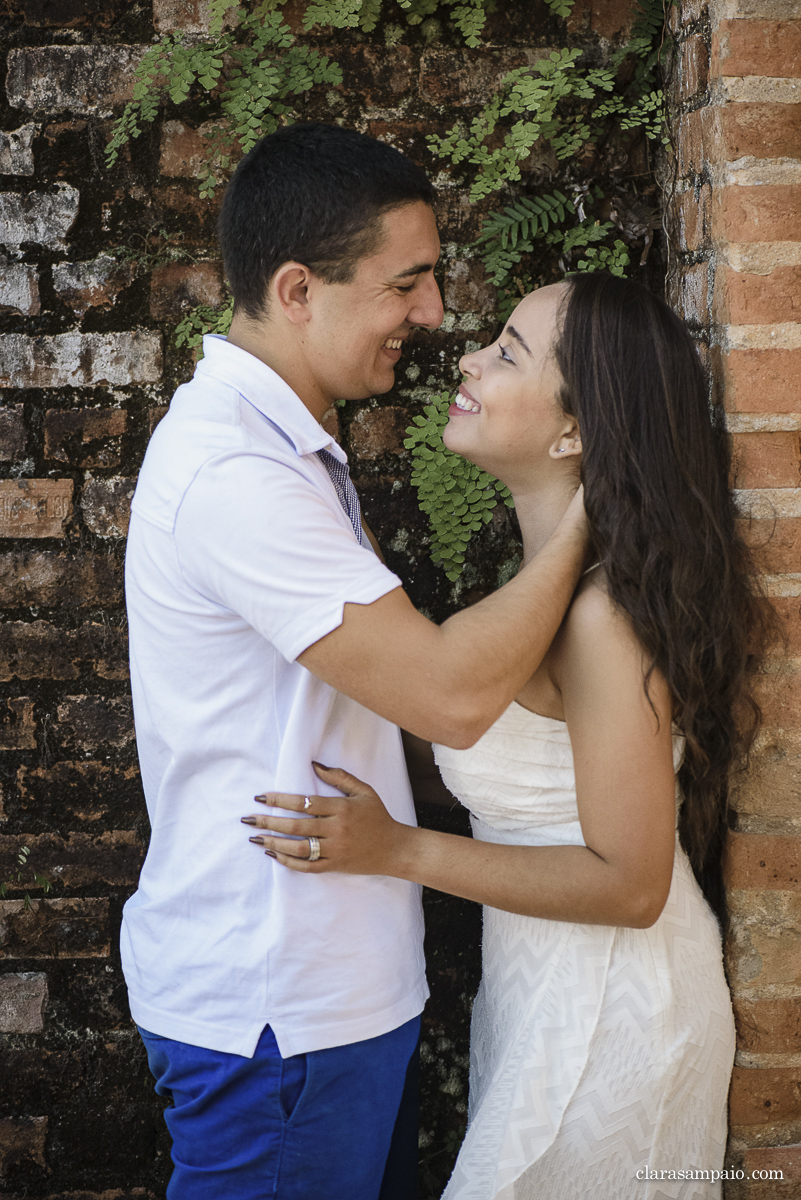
x,y
201,320
458,497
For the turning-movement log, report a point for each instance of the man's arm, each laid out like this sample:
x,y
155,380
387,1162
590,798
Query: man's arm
x,y
448,683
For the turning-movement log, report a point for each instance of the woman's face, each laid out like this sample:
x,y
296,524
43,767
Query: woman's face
x,y
507,418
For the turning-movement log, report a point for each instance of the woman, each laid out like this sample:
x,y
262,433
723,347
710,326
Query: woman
x,y
602,1038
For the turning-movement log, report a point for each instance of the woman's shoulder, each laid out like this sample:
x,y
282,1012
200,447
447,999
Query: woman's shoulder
x,y
594,624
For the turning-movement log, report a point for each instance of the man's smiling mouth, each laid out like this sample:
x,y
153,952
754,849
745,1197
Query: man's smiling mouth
x,y
393,343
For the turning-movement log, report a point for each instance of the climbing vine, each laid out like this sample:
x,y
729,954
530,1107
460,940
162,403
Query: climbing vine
x,y
536,158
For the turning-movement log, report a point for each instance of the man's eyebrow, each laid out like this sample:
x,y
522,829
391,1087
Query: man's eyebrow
x,y
510,329
417,269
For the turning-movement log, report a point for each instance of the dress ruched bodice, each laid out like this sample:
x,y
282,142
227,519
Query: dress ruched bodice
x,y
596,1052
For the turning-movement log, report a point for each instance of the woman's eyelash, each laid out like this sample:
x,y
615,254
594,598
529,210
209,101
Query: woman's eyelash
x,y
503,355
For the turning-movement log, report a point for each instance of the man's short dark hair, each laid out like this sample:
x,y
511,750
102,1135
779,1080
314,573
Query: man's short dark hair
x,y
313,194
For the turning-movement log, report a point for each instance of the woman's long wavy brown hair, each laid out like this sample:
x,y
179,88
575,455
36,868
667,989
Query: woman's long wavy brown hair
x,y
656,480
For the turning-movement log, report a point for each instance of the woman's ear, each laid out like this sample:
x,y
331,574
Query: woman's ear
x,y
289,289
568,445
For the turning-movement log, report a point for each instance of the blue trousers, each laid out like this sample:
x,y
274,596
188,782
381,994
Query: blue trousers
x,y
337,1124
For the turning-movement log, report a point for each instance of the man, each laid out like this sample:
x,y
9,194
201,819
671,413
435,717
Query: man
x,y
281,1012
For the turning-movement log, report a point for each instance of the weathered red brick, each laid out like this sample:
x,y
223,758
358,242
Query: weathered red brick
x,y
769,213
76,861
78,79
767,460
19,289
12,433
762,130
34,508
89,722
778,692
378,431
695,140
765,1096
84,437
177,287
761,380
607,18
92,284
22,1141
23,997
693,294
106,505
786,1159
76,928
771,48
746,299
190,16
768,1026
761,861
17,724
16,153
47,577
79,359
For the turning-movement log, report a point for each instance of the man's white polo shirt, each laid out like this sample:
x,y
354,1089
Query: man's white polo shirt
x,y
240,556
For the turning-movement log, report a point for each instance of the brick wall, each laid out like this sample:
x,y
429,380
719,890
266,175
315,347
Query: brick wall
x,y
98,268
738,281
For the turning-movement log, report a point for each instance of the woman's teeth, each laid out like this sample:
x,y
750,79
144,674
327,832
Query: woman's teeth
x,y
393,343
466,403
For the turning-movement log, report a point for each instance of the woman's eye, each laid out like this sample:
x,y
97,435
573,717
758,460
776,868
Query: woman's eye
x,y
502,354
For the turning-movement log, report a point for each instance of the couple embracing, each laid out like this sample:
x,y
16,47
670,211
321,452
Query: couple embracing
x,y
583,714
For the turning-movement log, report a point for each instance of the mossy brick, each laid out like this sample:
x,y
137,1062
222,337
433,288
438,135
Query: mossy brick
x,y
46,929
44,218
755,47
80,359
378,431
57,578
95,283
41,650
23,999
79,795
22,1140
76,860
178,287
692,217
16,150
106,505
71,14
17,724
84,437
34,508
459,75
19,289
93,79
90,722
13,434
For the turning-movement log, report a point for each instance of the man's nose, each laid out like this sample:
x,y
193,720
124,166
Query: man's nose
x,y
428,310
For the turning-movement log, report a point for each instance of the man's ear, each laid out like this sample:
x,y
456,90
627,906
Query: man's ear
x,y
289,289
568,445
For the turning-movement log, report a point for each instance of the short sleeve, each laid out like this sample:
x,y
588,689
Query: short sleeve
x,y
261,537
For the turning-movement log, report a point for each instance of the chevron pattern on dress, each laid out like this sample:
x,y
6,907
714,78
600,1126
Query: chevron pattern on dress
x,y
595,1051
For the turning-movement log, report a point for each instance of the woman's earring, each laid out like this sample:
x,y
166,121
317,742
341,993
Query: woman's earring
x,y
561,450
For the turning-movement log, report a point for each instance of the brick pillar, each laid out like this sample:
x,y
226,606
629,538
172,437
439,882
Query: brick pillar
x,y
737,225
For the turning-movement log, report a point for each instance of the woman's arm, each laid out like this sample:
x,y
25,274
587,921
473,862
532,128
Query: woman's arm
x,y
625,786
424,776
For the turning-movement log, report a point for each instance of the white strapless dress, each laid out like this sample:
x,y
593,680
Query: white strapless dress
x,y
596,1053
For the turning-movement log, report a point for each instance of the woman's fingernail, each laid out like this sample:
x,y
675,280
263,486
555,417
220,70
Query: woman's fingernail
x,y
271,853
261,799
317,764
258,840
249,820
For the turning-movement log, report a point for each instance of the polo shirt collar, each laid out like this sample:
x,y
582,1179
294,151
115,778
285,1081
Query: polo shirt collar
x,y
272,396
